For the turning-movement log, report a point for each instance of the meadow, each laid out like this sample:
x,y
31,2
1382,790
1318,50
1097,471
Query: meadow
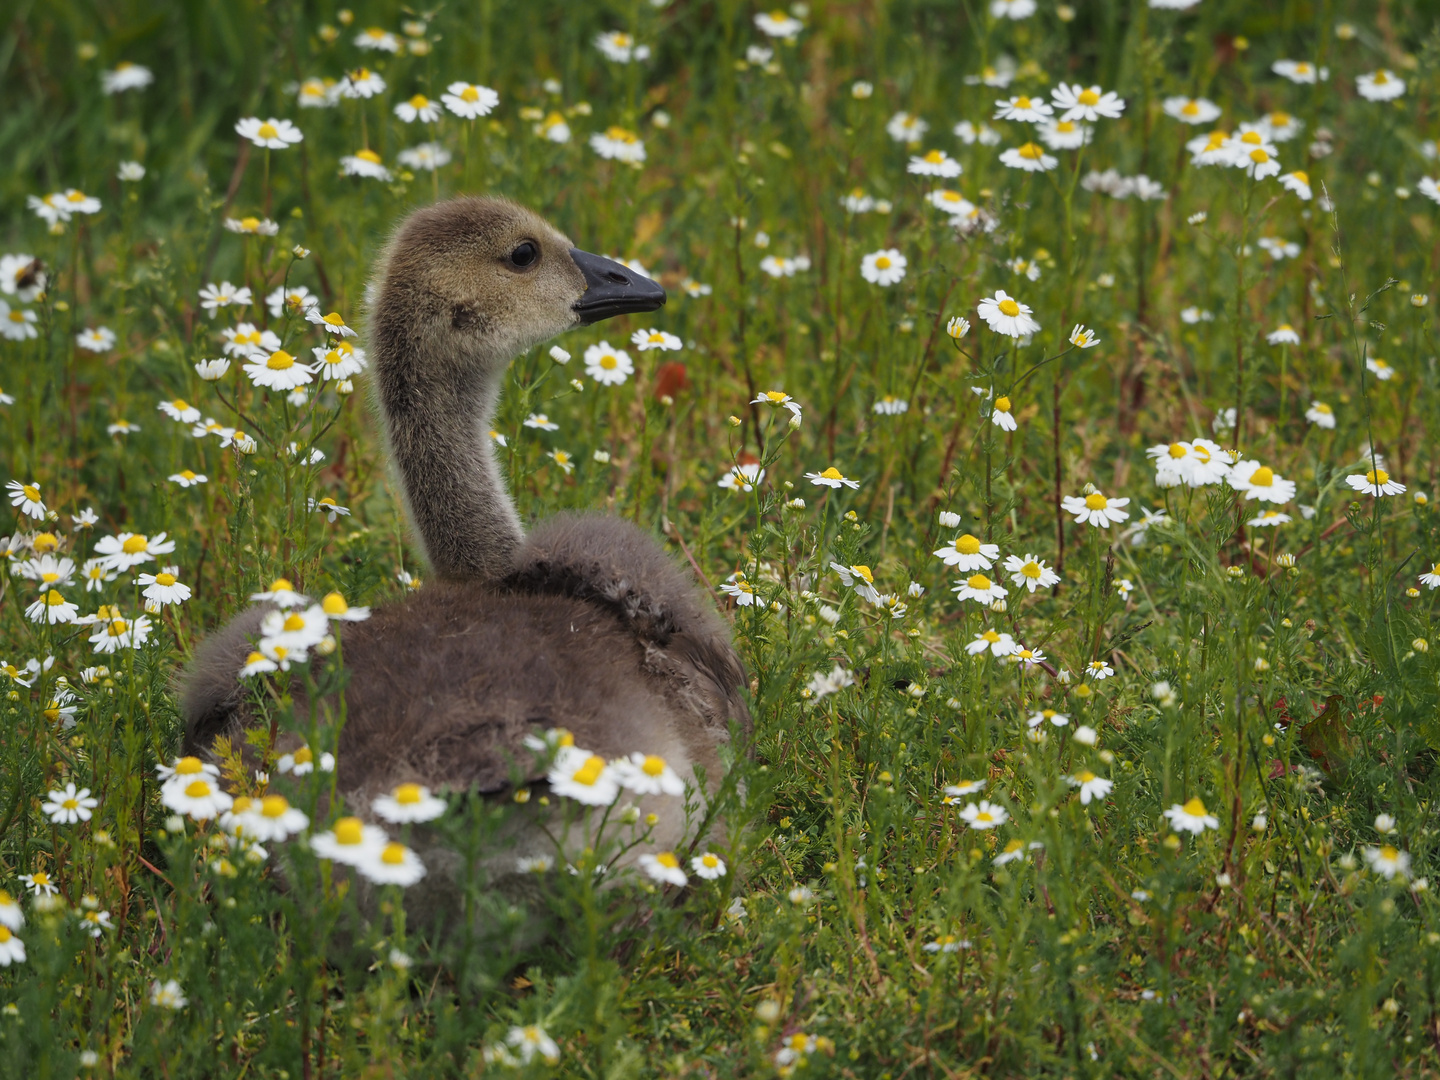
x,y
1047,394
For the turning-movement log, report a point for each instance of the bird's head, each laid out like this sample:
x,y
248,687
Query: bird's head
x,y
476,281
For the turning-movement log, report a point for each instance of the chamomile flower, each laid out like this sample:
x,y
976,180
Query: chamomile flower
x,y
1284,334
616,143
186,478
645,340
113,632
163,588
126,76
1050,716
303,761
1082,337
934,163
1193,111
282,594
890,405
124,551
1029,157
981,133
213,297
1375,482
1030,573
1191,817
361,83
540,422
984,815
349,842
585,777
1379,368
39,883
1321,415
620,47
427,156
1382,85
1087,102
27,498
390,864
48,571
1300,72
739,588
996,643
967,553
608,366
708,865
1388,861
1258,162
1260,482
295,300
278,371
1098,670
832,478
1000,414
96,574
1091,786
957,327
69,805
96,339
1006,315
1064,134
884,268
980,588
647,774
10,914
469,101
859,578
338,609
270,820
17,324
951,202
1431,578
52,609
408,803
742,477
317,93
364,163
295,629
1026,110
272,134
419,107
1269,518
1096,509
777,24
168,995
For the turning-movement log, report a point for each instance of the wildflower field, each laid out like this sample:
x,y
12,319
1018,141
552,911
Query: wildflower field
x,y
1047,396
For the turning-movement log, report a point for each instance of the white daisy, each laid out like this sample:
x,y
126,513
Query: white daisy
x,y
859,578
1388,861
468,101
980,588
124,551
1321,415
1096,509
984,815
607,365
408,803
271,134
1030,572
1260,482
885,267
1375,482
967,553
279,371
1382,85
1090,785
1030,157
1006,315
1025,110
708,865
1193,111
832,478
934,163
997,643
1191,817
27,498
645,340
1087,102
584,777
349,842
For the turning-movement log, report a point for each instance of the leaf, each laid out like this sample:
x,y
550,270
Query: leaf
x,y
1327,739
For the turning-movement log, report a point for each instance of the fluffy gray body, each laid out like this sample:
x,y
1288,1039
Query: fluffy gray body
x,y
585,624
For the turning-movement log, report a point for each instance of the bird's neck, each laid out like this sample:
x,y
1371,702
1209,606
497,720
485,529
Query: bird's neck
x,y
441,443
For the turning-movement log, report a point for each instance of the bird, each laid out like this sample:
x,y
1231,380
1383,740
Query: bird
x,y
582,623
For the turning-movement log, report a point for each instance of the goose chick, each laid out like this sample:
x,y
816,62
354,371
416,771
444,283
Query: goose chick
x,y
584,624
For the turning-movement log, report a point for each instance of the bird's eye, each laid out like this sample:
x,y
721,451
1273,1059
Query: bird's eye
x,y
525,255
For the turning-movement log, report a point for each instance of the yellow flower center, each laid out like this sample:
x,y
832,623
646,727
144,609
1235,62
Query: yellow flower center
x,y
470,94
667,860
76,196
419,101
293,622
864,572
40,878
349,831
1088,97
984,815
188,766
334,603
951,196
407,794
187,474
1022,102
883,262
1279,119
197,789
1065,127
4,934
45,542
274,806
1096,501
652,765
709,861
368,155
990,636
31,492
1008,307
1251,137
1217,140
608,362
1177,450
1032,151
1321,407
589,773
1377,476
304,756
1381,78
1259,156
979,582
253,658
1302,177
967,544
1195,808
1031,569
280,361
1264,476
17,315
1302,68
393,855
1002,404
1389,853
935,157
1085,777
1190,109
250,224
832,473
54,599
267,131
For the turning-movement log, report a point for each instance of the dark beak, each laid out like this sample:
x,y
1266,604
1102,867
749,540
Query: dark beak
x,y
611,289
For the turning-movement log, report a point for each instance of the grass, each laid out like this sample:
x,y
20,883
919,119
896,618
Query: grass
x,y
1281,675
